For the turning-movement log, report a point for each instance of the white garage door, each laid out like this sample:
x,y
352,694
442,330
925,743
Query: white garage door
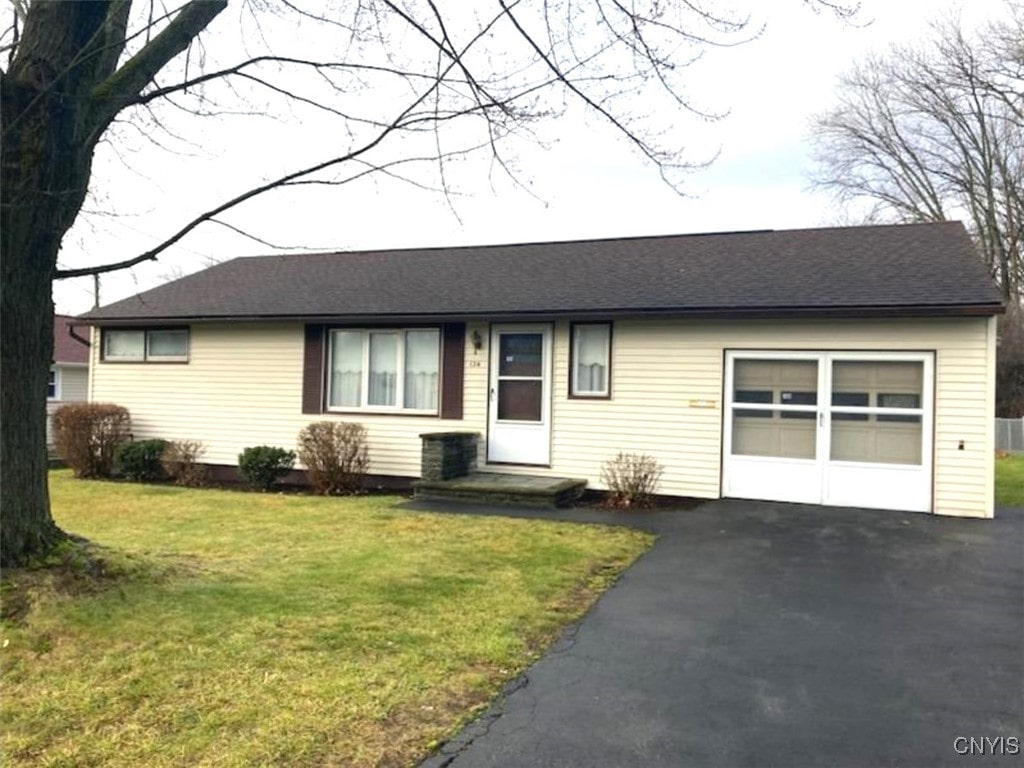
x,y
837,428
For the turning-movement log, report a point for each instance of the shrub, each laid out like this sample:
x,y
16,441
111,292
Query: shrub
x,y
335,456
140,460
632,479
262,465
180,460
87,435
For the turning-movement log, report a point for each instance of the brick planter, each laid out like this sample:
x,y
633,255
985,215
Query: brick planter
x,y
447,455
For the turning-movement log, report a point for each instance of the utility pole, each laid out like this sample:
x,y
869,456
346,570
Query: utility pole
x,y
96,291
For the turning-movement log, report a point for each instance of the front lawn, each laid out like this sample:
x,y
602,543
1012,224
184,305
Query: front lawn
x,y
239,629
1010,481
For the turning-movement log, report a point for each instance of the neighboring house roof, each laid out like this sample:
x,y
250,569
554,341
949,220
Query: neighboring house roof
x,y
66,348
894,269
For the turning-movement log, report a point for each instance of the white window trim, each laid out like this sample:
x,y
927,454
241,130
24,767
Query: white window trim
x,y
56,385
364,388
574,389
145,357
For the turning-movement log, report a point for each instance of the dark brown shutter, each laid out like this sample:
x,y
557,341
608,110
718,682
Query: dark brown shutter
x,y
313,370
453,360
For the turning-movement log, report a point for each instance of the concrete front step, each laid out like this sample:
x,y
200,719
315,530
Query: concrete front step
x,y
500,488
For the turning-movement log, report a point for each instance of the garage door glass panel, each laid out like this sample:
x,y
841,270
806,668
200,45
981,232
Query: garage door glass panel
x,y
876,412
759,396
799,398
773,436
776,375
877,442
774,408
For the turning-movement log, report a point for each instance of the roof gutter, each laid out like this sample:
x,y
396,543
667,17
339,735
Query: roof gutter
x,y
711,313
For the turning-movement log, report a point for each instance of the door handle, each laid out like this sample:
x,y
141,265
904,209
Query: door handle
x,y
821,418
492,394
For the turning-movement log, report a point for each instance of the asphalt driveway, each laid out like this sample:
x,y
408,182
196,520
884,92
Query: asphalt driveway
x,y
759,634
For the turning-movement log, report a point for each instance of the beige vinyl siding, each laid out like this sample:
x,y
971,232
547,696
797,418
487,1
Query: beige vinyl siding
x,y
74,383
667,380
243,386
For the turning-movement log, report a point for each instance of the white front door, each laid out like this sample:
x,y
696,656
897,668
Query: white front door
x,y
519,420
837,428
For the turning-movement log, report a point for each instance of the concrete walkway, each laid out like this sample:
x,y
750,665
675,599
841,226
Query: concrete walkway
x,y
759,634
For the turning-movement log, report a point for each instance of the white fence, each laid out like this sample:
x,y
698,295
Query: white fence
x,y
1010,435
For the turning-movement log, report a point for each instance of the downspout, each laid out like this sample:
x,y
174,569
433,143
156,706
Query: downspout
x,y
76,337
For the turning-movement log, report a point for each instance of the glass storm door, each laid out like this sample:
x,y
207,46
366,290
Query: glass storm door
x,y
519,422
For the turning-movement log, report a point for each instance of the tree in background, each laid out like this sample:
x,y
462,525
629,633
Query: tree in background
x,y
936,132
405,81
1010,365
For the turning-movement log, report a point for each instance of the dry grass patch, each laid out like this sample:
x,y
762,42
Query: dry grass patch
x,y
237,629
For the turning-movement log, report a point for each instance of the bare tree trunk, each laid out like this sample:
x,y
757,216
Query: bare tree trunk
x,y
44,171
31,236
26,348
60,93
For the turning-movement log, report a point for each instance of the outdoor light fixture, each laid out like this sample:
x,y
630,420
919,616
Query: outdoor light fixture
x,y
478,341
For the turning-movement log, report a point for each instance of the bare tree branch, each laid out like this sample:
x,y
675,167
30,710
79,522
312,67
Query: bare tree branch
x,y
123,86
934,133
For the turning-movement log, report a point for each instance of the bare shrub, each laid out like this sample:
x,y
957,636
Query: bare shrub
x,y
87,436
335,456
632,479
180,461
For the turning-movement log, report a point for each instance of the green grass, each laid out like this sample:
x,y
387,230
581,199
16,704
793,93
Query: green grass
x,y
235,629
1010,481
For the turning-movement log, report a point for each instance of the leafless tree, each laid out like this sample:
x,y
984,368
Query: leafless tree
x,y
1010,363
936,132
406,80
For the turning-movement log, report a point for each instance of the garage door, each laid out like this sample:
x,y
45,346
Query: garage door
x,y
837,428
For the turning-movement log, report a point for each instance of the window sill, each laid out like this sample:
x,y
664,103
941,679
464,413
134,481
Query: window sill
x,y
381,412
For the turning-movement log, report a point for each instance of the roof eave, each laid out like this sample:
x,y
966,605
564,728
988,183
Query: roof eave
x,y
700,313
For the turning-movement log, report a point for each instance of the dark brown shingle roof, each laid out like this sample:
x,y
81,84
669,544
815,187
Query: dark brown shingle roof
x,y
894,269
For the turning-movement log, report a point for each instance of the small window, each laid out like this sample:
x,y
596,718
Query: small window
x,y
156,345
167,345
760,396
902,400
124,345
51,385
591,356
799,398
850,400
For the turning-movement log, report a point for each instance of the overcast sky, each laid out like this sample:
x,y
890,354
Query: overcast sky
x,y
585,182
